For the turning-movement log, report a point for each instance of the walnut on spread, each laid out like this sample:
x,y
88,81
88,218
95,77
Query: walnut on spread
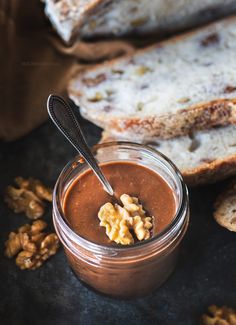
x,y
219,315
28,197
118,220
31,245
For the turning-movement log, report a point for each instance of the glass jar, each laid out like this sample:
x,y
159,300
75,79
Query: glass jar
x,y
127,271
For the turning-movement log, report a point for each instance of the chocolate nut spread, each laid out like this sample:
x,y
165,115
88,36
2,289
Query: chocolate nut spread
x,y
85,196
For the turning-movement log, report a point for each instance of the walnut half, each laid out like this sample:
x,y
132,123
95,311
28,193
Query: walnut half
x,y
31,245
219,316
28,197
119,221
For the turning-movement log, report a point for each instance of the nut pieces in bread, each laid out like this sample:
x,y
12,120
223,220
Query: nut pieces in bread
x,y
161,94
97,18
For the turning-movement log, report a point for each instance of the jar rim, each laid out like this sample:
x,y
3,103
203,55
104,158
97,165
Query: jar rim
x,y
76,238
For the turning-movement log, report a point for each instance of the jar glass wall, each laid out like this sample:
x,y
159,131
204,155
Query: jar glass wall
x,y
126,271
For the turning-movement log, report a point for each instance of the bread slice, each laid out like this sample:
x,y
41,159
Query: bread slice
x,y
202,157
90,18
225,207
183,84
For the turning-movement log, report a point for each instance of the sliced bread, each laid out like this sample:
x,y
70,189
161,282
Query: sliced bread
x,y
89,18
225,207
183,84
202,157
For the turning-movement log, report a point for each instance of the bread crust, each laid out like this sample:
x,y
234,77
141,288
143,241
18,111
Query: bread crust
x,y
225,207
199,116
211,172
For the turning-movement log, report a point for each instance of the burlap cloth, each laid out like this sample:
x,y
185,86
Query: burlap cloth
x,y
35,62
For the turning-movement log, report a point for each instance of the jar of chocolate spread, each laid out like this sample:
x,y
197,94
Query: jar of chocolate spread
x,y
139,171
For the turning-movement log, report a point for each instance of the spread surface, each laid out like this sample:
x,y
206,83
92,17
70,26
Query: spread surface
x,y
85,196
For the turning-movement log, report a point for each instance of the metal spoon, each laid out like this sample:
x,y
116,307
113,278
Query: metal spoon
x,y
63,117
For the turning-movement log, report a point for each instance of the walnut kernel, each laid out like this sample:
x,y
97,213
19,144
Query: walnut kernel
x,y
28,197
219,316
118,220
32,245
41,191
13,245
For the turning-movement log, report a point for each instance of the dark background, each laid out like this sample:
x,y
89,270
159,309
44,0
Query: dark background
x,y
205,274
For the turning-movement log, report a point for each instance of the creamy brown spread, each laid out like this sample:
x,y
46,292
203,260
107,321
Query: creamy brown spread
x,y
85,196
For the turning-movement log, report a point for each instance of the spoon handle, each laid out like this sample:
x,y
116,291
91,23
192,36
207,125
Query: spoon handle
x,y
63,117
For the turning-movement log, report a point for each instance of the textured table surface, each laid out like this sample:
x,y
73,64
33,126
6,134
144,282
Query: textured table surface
x,y
205,274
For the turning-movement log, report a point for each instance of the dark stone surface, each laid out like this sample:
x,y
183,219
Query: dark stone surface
x,y
205,274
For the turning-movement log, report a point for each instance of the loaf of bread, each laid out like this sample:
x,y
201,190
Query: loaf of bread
x,y
202,157
183,84
90,18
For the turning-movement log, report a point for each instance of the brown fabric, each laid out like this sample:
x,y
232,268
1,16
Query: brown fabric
x,y
34,63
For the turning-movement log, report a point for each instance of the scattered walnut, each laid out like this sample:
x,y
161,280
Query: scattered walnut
x,y
32,245
49,245
13,245
219,316
28,197
140,71
37,187
25,260
90,82
97,98
37,227
118,220
21,200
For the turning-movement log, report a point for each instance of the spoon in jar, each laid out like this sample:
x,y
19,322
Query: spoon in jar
x,y
63,117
